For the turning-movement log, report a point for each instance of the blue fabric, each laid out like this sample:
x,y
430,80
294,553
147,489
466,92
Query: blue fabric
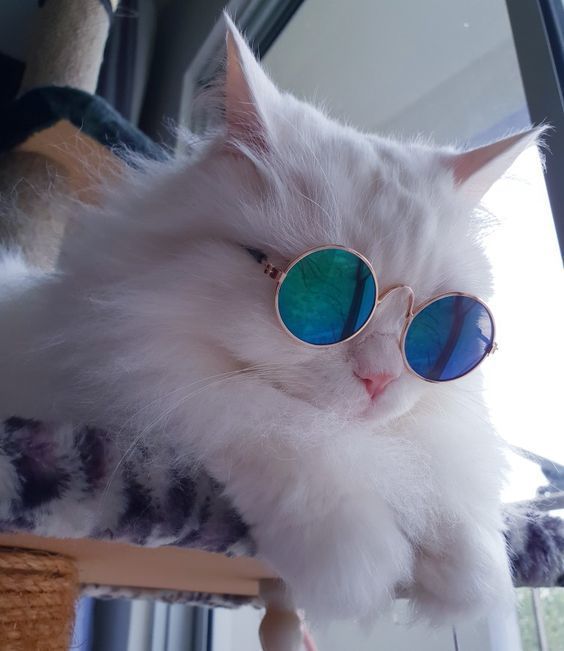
x,y
41,108
448,338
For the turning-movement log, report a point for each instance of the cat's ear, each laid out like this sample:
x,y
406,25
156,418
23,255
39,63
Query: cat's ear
x,y
248,92
476,170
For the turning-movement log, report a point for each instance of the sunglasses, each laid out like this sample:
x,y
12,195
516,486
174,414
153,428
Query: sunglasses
x,y
329,294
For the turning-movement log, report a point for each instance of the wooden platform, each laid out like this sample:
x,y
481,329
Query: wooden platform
x,y
162,568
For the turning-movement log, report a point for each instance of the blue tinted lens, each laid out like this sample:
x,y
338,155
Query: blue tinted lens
x,y
327,296
448,338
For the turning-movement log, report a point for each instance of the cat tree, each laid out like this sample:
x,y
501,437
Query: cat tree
x,y
67,528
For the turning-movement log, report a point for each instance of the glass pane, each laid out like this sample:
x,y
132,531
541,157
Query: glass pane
x,y
545,622
527,620
524,382
552,600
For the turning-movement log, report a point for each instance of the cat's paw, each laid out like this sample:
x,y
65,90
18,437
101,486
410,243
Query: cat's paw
x,y
467,576
346,565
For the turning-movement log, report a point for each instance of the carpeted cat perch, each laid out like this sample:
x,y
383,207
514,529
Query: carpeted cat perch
x,y
72,481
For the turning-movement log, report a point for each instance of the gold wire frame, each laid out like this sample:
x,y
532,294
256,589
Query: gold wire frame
x,y
279,276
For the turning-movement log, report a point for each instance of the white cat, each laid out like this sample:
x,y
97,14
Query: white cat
x,y
159,321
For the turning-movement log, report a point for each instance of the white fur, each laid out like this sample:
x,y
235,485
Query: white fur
x,y
159,322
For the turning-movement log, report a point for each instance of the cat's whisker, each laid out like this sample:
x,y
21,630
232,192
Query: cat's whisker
x,y
217,379
225,375
316,204
145,431
476,413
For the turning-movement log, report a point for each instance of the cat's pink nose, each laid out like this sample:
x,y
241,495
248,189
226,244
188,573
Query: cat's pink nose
x,y
375,384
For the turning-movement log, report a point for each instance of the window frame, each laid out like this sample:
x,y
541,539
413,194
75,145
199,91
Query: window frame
x,y
538,34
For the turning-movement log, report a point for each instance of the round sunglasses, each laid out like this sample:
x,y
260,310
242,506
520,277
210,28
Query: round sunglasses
x,y
328,295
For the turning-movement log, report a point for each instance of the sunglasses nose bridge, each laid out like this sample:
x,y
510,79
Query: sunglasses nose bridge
x,y
394,291
392,312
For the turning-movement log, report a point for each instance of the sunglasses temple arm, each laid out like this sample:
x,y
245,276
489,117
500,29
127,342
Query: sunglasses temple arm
x,y
272,272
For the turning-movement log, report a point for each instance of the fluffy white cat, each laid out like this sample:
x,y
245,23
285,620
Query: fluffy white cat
x,y
159,321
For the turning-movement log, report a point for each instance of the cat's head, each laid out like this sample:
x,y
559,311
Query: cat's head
x,y
282,178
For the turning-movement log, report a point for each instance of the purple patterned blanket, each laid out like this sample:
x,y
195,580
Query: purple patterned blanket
x,y
72,481
66,481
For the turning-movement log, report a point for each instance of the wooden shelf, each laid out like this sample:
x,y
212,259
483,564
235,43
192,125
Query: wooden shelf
x,y
163,568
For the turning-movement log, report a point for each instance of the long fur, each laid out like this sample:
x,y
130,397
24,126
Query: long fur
x,y
157,321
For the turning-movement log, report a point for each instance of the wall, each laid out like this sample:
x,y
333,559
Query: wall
x,y
445,68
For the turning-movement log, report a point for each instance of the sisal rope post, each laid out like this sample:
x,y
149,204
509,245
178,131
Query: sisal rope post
x,y
38,591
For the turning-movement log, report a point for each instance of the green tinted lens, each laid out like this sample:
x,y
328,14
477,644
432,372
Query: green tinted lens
x,y
327,296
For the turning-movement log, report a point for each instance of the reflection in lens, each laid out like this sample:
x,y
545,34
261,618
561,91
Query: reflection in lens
x,y
327,296
449,338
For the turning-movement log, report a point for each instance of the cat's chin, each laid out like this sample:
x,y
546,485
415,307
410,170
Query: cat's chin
x,y
388,406
380,415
